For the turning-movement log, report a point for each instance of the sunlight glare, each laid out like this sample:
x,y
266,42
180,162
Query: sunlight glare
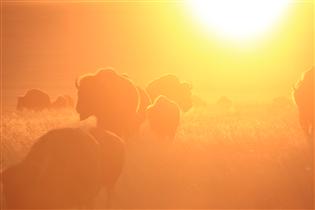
x,y
238,20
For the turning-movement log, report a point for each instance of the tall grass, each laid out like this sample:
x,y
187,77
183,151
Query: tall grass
x,y
253,157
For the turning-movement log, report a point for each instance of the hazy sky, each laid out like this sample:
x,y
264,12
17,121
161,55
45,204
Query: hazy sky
x,y
47,45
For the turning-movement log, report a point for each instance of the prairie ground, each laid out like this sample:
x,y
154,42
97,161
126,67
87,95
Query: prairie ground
x,y
254,156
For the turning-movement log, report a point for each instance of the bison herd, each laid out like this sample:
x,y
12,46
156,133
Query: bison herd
x,y
38,100
51,176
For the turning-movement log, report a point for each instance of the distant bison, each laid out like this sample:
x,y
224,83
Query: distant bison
x,y
112,158
281,102
225,103
64,101
62,170
34,99
172,88
163,116
303,95
198,101
112,98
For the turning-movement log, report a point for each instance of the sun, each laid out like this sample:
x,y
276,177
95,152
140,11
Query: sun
x,y
238,20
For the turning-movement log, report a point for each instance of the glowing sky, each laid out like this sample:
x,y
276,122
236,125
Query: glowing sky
x,y
48,45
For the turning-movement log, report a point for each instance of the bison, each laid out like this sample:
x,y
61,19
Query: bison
x,y
225,103
198,101
303,95
62,170
64,101
112,98
163,116
112,153
281,102
170,86
34,99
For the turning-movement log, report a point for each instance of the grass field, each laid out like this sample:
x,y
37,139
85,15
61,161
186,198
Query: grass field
x,y
254,157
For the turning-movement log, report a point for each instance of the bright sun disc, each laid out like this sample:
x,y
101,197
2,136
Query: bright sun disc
x,y
238,19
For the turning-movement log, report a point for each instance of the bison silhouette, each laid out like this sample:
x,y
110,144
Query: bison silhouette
x,y
112,98
34,99
62,170
225,103
170,86
303,95
163,116
112,156
63,101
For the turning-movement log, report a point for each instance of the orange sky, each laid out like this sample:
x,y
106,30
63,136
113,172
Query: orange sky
x,y
47,45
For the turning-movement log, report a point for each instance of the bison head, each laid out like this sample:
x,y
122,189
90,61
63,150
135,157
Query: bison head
x,y
171,87
110,97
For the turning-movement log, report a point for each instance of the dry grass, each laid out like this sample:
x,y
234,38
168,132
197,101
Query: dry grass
x,y
255,157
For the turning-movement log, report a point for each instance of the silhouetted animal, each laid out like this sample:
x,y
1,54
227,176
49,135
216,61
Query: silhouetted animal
x,y
64,101
170,86
34,99
113,99
303,94
224,103
281,102
62,170
198,101
112,155
164,116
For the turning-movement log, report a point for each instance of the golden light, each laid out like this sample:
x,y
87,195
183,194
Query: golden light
x,y
239,20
